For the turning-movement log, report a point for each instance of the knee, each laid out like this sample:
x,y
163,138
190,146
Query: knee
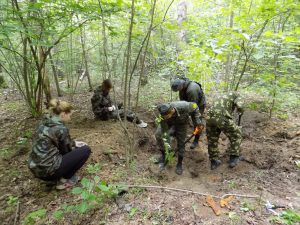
x,y
87,151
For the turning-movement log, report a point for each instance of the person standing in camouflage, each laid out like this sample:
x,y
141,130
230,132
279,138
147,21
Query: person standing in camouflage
x,y
220,120
190,91
174,121
104,109
55,156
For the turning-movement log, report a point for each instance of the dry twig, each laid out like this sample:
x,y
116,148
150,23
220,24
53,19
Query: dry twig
x,y
190,191
17,215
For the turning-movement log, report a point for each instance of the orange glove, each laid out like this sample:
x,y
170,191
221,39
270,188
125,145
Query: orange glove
x,y
198,129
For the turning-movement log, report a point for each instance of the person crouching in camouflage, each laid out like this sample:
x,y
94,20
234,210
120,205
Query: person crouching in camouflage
x,y
174,119
54,156
104,109
190,91
220,120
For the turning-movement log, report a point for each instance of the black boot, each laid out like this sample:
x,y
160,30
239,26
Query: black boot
x,y
233,161
162,161
215,163
195,142
194,145
159,160
179,169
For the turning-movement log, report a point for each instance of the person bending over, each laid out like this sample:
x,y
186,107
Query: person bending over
x,y
174,121
190,91
220,119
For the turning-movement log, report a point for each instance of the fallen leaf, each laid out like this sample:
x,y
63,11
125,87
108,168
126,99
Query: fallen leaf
x,y
213,205
225,201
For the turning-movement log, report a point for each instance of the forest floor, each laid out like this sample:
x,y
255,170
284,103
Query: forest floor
x,y
269,148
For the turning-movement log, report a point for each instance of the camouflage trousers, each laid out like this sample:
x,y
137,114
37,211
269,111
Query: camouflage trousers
x,y
214,127
178,131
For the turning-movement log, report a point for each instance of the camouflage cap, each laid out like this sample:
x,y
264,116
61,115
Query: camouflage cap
x,y
177,84
164,108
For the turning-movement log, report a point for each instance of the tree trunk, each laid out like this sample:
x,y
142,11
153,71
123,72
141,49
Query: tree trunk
x,y
106,64
144,55
82,40
45,78
228,57
128,57
55,76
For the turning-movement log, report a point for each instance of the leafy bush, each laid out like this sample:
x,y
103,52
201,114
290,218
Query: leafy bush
x,y
32,217
289,217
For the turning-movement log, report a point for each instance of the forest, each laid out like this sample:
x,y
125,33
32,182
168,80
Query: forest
x,y
63,51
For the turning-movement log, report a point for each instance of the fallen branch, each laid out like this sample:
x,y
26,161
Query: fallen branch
x,y
17,215
240,195
189,191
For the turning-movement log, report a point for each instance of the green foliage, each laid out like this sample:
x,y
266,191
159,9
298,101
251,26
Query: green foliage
x,y
58,214
234,218
170,154
158,120
297,164
12,200
247,206
232,185
93,168
93,193
2,82
22,141
28,134
5,152
132,212
34,216
289,217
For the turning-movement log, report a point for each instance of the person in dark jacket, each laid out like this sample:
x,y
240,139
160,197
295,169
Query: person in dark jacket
x,y
174,121
190,91
55,156
104,109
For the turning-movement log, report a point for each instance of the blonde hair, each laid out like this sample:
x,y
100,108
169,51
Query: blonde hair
x,y
56,106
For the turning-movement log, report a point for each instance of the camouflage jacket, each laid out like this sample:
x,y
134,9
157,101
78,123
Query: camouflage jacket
x,y
50,142
100,103
192,92
183,111
226,104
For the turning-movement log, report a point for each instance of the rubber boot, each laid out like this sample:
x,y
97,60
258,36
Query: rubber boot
x,y
233,161
179,169
214,164
159,160
162,161
195,142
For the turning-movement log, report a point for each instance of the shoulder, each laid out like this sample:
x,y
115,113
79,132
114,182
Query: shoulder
x,y
60,130
193,86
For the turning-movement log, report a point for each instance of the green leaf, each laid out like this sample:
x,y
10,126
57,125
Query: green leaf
x,y
97,179
58,214
85,182
31,217
82,207
77,190
103,188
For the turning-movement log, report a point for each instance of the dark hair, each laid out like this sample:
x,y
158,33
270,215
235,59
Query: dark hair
x,y
107,85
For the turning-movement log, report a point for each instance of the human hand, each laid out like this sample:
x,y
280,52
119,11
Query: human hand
x,y
111,108
79,144
198,129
